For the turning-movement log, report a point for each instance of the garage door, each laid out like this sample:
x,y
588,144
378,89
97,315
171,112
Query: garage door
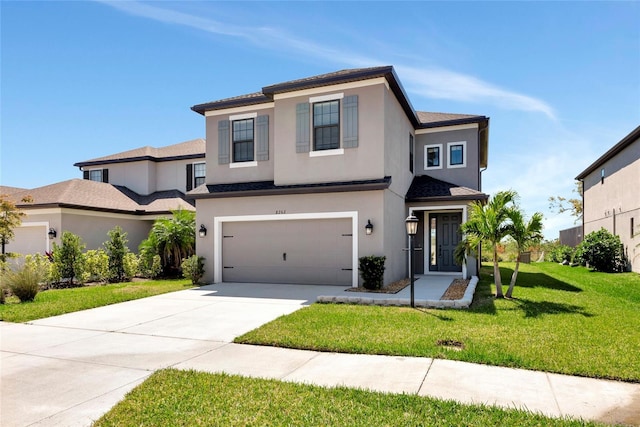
x,y
314,251
28,240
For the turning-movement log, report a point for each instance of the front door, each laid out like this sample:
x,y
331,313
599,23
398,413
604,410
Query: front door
x,y
443,238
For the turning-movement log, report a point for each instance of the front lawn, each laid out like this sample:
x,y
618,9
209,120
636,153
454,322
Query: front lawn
x,y
188,398
565,320
59,301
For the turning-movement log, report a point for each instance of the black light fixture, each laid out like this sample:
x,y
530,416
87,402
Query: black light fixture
x,y
52,233
412,229
368,228
202,231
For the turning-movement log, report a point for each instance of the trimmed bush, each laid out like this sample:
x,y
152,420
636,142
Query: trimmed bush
x,y
24,282
116,248
96,266
602,251
372,271
150,266
561,253
130,262
68,259
193,268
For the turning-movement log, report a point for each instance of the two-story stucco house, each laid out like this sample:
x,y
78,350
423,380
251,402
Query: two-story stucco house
x,y
305,177
129,189
611,195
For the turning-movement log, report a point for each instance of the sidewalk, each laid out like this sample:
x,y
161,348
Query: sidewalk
x,y
69,370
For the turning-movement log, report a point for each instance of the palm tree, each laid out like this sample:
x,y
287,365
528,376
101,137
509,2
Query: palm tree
x,y
523,233
489,222
175,237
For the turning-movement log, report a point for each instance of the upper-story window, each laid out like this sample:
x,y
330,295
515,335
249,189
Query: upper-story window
x,y
411,153
242,140
602,176
199,172
433,156
326,125
98,175
457,154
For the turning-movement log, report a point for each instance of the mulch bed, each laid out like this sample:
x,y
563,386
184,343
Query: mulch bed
x,y
456,290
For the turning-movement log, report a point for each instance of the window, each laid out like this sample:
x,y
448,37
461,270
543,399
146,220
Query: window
x,y
199,171
602,176
632,228
410,153
457,154
95,175
243,140
433,157
326,125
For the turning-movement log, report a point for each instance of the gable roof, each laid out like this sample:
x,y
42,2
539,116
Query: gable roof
x,y
92,195
193,149
426,188
612,152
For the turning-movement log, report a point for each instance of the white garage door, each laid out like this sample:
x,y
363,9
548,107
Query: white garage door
x,y
316,251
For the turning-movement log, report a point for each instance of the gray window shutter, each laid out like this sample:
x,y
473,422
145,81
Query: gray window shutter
x,y
350,122
303,132
223,142
85,174
105,175
189,177
262,138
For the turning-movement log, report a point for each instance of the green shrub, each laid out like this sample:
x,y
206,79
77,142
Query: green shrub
x,y
24,282
193,268
130,263
68,259
372,271
150,265
561,253
96,266
602,251
116,248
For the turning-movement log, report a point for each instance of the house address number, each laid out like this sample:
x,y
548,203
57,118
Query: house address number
x,y
280,211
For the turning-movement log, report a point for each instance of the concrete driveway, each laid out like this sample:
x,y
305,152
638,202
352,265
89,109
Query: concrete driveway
x,y
70,369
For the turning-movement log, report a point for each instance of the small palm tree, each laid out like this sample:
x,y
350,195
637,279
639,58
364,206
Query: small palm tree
x,y
489,222
175,237
523,233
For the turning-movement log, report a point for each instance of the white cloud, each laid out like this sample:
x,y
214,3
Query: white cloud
x,y
429,82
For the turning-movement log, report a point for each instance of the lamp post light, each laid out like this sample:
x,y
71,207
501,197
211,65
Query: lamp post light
x,y
412,228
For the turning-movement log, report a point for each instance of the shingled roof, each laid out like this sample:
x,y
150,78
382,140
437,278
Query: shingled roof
x,y
92,195
428,189
428,119
193,149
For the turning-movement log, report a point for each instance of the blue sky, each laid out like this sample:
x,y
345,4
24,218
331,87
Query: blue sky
x,y
83,79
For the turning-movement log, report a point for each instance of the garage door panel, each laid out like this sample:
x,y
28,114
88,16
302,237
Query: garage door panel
x,y
288,251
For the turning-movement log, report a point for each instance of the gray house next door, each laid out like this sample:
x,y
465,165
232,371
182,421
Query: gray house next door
x,y
316,251
443,238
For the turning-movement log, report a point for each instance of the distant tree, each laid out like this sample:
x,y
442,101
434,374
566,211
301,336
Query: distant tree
x,y
10,218
574,205
489,222
523,234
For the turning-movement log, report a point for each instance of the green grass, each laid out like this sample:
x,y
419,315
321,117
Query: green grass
x,y
562,319
59,301
187,398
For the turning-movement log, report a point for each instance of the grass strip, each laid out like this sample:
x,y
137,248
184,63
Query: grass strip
x,y
564,320
189,398
60,301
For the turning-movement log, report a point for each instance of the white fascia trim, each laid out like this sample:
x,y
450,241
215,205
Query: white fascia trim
x,y
220,220
322,98
238,110
464,154
439,209
243,165
333,88
427,168
322,153
243,116
447,128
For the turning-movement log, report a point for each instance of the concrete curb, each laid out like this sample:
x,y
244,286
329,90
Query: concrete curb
x,y
465,302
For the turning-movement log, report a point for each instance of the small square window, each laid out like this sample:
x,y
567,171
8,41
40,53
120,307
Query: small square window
x,y
457,154
433,157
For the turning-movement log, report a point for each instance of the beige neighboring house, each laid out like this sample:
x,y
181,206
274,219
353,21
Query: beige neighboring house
x,y
611,195
130,189
300,172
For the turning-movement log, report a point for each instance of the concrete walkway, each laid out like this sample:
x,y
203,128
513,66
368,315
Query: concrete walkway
x,y
69,370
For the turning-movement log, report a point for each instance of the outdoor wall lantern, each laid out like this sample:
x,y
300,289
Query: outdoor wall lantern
x,y
203,230
412,229
368,228
52,233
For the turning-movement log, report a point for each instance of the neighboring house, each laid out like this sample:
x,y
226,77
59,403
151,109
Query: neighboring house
x,y
129,189
296,172
611,195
